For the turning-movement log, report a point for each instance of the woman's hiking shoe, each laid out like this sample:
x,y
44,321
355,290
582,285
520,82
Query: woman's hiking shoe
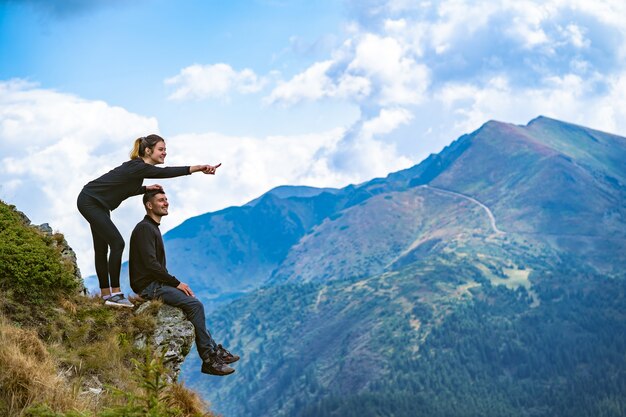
x,y
118,300
216,366
225,355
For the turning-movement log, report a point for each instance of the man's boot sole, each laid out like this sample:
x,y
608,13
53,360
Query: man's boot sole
x,y
210,371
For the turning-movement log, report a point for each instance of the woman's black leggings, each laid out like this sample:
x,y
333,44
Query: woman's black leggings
x,y
105,236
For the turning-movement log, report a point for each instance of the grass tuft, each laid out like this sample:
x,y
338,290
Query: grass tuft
x,y
29,374
188,402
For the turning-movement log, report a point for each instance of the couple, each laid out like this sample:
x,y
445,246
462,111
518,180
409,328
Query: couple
x,y
148,274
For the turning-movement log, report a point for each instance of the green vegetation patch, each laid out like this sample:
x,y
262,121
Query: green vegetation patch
x,y
31,266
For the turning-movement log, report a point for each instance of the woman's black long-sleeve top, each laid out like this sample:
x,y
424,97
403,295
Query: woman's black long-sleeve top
x,y
126,180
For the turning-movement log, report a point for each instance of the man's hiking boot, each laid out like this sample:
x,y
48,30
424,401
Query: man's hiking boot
x,y
118,300
216,366
225,355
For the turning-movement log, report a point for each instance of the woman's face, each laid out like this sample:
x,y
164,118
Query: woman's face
x,y
157,153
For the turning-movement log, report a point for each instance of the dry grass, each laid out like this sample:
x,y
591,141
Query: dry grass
x,y
92,342
29,374
70,363
188,402
68,305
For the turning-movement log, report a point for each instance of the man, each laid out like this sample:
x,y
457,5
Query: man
x,y
150,279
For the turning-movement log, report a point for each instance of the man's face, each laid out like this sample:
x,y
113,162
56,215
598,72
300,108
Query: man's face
x,y
158,205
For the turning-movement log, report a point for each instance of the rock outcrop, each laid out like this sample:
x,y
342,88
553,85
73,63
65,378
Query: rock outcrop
x,y
67,253
173,336
58,240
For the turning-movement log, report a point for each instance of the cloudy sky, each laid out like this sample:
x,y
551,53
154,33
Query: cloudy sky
x,y
322,93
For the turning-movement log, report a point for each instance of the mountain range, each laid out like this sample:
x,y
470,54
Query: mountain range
x,y
486,280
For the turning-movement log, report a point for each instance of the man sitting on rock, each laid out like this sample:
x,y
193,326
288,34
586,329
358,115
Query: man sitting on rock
x,y
149,278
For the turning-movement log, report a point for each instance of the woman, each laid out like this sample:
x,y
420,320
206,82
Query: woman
x,y
103,195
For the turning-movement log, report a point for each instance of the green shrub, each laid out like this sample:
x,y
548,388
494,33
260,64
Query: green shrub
x,y
31,266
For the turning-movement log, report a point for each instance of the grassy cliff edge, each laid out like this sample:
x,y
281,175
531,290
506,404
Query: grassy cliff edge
x,y
63,354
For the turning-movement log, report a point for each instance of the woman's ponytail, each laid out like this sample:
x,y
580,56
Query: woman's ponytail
x,y
134,154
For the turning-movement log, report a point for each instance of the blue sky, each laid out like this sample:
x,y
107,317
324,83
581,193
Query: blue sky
x,y
322,93
121,52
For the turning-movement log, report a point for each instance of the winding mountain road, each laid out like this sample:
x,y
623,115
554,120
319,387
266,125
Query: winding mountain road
x,y
417,242
492,218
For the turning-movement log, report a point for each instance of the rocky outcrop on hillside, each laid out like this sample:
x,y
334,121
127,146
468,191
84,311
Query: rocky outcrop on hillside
x,y
67,253
58,240
173,336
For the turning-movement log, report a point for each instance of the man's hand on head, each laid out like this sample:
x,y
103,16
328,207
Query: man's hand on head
x,y
186,289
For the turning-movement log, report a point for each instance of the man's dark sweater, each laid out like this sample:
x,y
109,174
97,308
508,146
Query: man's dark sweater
x,y
125,180
147,257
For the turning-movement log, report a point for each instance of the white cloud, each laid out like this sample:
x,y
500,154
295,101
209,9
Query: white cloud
x,y
387,121
456,20
311,84
362,153
576,36
375,69
198,82
418,44
315,83
384,60
59,115
368,69
609,12
360,157
527,20
565,98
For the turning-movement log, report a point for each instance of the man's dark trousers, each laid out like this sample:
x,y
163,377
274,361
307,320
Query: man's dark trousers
x,y
193,309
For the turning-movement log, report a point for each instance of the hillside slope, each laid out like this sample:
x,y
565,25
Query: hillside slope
x,y
66,355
